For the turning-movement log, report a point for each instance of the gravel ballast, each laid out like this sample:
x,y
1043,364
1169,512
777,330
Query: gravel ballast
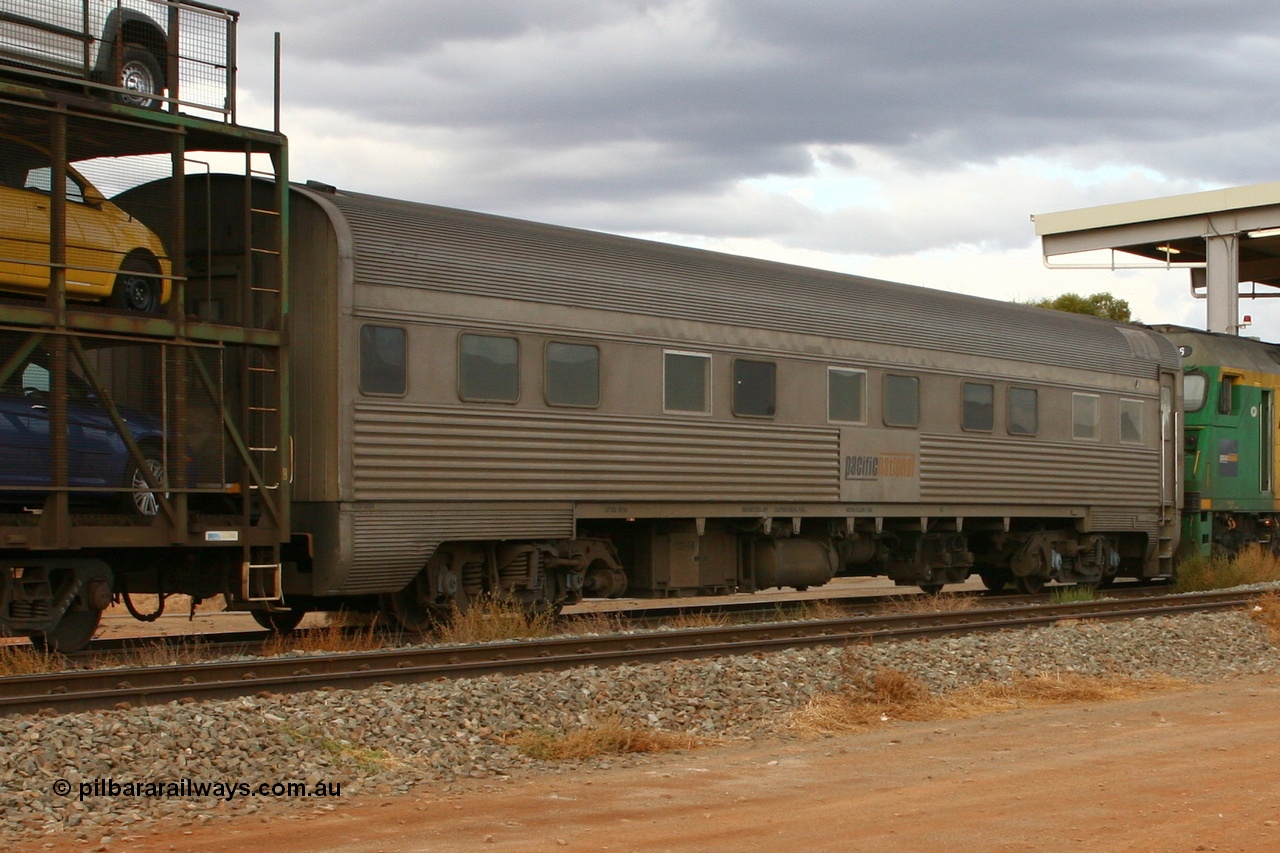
x,y
436,736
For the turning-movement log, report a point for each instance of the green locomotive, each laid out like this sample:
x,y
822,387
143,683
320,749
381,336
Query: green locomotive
x,y
1229,400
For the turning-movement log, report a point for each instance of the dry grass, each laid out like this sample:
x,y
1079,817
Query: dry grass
x,y
817,610
190,650
496,618
598,622
889,695
698,620
342,632
344,618
1266,611
608,737
1072,594
1252,565
22,659
943,601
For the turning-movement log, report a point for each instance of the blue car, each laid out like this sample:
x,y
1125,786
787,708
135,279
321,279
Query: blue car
x,y
98,458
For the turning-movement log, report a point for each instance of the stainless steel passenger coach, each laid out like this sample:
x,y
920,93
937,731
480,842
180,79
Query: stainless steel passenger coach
x,y
299,398
484,404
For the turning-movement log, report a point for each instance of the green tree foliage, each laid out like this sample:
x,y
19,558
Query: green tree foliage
x,y
1097,304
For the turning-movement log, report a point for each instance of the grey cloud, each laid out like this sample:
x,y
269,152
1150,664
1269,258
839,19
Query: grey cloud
x,y
720,90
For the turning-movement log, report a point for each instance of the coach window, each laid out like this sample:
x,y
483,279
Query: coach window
x,y
754,388
488,368
1084,416
1195,387
901,400
1024,411
573,375
382,360
686,382
846,395
1131,421
979,407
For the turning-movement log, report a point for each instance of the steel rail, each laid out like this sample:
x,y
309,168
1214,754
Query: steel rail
x,y
251,641
83,690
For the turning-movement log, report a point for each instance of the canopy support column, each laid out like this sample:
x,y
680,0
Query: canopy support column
x,y
1222,282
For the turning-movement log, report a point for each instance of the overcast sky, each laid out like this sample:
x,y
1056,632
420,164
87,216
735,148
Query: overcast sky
x,y
905,140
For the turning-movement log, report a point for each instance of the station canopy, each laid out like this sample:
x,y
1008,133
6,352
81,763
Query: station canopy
x,y
1224,237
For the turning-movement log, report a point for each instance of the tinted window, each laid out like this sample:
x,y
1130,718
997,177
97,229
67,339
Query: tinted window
x,y
979,407
573,375
754,388
686,381
1131,421
901,400
1084,415
846,395
488,368
382,360
1024,414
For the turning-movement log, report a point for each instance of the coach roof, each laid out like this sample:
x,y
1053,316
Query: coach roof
x,y
413,244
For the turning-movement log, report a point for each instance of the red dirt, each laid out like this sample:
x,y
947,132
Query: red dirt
x,y
1183,771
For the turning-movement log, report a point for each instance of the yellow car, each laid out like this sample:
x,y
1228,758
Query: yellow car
x,y
111,256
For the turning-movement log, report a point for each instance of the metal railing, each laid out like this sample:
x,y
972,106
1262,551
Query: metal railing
x,y
142,53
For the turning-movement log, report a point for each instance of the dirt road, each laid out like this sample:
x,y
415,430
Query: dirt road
x,y
1184,771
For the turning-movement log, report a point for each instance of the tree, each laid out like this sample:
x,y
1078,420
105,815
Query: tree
x,y
1097,305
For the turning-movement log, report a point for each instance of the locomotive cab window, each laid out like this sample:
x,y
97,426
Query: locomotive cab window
x,y
901,400
573,375
979,407
488,368
846,395
754,388
1084,416
382,360
1131,421
686,382
1024,411
1195,388
1226,394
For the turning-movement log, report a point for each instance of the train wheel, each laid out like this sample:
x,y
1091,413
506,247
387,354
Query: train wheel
x,y
1030,584
405,610
278,621
73,632
995,581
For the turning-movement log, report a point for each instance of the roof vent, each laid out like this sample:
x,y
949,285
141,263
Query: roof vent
x,y
322,187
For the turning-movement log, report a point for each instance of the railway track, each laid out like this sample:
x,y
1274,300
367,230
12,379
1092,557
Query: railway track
x,y
117,650
90,689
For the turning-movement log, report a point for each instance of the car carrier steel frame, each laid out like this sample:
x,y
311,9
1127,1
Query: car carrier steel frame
x,y
211,366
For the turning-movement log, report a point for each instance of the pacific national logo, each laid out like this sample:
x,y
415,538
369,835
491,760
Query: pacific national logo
x,y
883,465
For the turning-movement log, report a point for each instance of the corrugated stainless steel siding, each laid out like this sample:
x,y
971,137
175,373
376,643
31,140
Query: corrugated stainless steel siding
x,y
406,452
1116,519
416,245
971,469
390,546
